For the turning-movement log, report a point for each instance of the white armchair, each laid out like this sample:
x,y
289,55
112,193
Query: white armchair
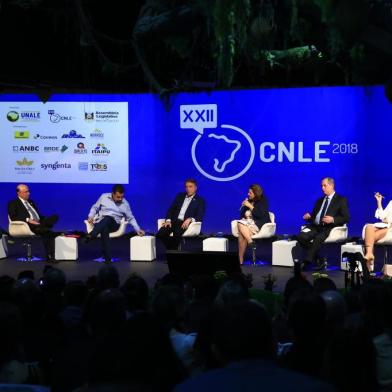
x,y
193,229
385,241
268,230
121,230
337,234
20,229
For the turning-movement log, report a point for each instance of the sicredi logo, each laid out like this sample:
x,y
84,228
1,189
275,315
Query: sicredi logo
x,y
25,148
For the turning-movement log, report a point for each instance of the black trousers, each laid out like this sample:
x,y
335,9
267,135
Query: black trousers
x,y
312,240
45,232
164,234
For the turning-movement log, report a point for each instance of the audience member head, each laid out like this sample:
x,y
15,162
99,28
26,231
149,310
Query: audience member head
x,y
350,361
108,312
306,316
29,298
324,284
335,308
53,281
6,287
168,305
108,278
75,293
171,279
375,300
136,293
26,274
10,332
140,353
231,291
292,285
241,331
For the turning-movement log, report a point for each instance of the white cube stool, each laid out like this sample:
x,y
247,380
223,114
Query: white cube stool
x,y
66,248
281,253
142,248
350,247
3,247
216,244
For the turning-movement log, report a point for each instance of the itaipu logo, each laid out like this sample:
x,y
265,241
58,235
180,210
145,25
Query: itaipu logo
x,y
220,153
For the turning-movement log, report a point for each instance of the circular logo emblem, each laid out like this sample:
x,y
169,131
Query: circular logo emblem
x,y
55,118
12,116
80,145
223,154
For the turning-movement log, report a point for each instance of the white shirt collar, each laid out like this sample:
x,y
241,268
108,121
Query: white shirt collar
x,y
23,200
331,196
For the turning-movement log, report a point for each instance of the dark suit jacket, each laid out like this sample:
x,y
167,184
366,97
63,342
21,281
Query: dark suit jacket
x,y
195,209
260,212
338,209
18,212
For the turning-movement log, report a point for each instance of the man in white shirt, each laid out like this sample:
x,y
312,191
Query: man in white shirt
x,y
25,210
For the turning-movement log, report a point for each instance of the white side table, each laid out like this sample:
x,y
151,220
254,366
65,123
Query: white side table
x,y
350,247
142,248
66,248
216,244
281,253
3,247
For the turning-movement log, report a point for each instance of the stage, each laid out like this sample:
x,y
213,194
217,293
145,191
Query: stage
x,y
152,271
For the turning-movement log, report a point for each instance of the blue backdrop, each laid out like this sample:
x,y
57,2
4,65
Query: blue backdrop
x,y
285,139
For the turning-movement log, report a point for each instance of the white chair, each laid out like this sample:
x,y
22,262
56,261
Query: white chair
x,y
3,247
121,230
384,242
268,230
20,229
337,234
193,229
215,244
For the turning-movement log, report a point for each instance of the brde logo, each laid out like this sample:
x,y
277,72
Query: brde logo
x,y
220,153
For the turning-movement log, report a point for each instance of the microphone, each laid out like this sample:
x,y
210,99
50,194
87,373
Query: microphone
x,y
379,194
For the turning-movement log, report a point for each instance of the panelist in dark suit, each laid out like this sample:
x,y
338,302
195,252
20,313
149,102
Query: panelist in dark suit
x,y
24,209
330,211
186,208
254,213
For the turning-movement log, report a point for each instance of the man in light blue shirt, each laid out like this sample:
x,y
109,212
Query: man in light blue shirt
x,y
106,215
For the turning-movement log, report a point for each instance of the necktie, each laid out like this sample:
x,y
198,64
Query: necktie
x,y
324,209
31,211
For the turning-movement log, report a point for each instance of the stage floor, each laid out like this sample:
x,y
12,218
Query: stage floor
x,y
152,271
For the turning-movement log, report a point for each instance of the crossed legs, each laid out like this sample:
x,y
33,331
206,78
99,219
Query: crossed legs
x,y
372,235
244,239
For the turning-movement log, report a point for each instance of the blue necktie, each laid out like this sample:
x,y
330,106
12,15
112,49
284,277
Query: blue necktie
x,y
324,210
31,211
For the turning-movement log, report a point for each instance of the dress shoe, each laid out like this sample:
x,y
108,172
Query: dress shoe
x,y
51,259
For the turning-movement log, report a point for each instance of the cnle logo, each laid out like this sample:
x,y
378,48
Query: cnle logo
x,y
56,117
227,152
215,149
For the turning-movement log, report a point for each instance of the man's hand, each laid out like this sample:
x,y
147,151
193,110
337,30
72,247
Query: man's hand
x,y
33,222
327,219
307,216
186,223
166,224
90,220
140,232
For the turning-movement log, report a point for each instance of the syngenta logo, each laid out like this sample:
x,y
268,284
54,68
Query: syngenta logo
x,y
55,166
226,152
